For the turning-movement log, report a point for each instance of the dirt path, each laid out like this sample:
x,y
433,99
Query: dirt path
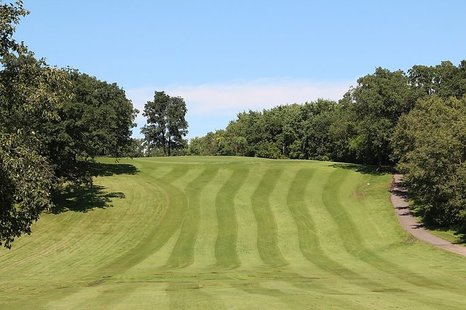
x,y
409,223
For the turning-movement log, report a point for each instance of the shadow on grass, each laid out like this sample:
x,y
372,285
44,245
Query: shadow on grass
x,y
365,169
461,238
101,169
84,198
458,232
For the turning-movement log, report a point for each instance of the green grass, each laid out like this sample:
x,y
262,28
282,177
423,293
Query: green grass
x,y
228,233
451,235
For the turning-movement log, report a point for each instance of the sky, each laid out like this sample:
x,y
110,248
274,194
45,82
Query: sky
x,y
225,57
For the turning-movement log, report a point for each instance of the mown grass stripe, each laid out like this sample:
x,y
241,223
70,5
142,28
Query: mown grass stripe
x,y
292,292
204,250
225,245
247,228
183,252
173,174
267,240
189,295
84,260
163,228
355,245
287,232
307,233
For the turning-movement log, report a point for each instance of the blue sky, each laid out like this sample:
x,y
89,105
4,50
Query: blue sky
x,y
224,57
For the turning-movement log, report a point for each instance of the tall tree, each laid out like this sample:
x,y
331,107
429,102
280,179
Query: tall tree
x,y
177,126
166,123
430,144
444,80
29,96
374,107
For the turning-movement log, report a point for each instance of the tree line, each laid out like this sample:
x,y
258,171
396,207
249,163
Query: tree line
x,y
414,120
53,122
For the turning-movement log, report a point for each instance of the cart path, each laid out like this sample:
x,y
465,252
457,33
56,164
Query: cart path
x,y
409,223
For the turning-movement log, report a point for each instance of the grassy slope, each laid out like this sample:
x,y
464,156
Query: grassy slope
x,y
214,233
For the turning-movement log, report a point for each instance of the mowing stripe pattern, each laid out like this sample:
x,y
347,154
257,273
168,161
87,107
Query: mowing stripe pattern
x,y
221,233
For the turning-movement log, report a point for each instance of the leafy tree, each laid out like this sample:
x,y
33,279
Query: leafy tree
x,y
444,80
177,126
99,116
430,144
96,119
29,96
213,144
26,181
317,118
156,129
166,124
374,107
137,148
52,122
245,127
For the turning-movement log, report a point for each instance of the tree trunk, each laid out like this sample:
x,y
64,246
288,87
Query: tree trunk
x,y
169,146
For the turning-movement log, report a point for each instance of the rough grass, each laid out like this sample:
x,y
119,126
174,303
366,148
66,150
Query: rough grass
x,y
228,233
454,236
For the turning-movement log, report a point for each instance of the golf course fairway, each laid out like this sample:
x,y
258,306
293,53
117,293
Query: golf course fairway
x,y
228,233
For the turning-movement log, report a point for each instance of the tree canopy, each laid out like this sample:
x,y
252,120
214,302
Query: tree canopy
x,y
430,146
166,123
52,122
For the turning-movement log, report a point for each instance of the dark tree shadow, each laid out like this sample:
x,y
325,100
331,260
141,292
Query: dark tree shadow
x,y
365,169
86,197
83,199
462,238
459,231
101,169
399,192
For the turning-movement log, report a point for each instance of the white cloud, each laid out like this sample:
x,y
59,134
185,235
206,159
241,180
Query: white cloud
x,y
208,101
244,95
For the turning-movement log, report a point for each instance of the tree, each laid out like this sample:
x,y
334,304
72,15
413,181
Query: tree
x,y
374,107
430,145
99,116
177,126
94,120
30,93
52,123
166,124
136,149
444,80
26,181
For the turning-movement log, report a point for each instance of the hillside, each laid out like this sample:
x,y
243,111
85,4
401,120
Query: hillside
x,y
228,233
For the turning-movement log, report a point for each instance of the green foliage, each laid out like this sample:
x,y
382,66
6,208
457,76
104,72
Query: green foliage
x,y
95,119
52,123
26,179
292,131
430,144
137,148
373,107
29,97
99,117
444,80
166,124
